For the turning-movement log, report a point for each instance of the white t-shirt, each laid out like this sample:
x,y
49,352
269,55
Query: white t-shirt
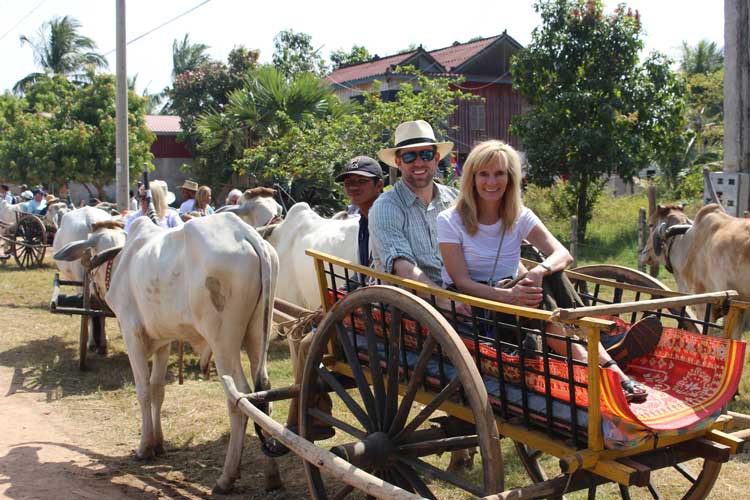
x,y
481,248
187,206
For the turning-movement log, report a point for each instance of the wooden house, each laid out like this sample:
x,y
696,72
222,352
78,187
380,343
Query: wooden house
x,y
485,66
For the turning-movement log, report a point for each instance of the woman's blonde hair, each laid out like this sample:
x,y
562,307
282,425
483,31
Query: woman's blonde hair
x,y
159,196
481,155
202,197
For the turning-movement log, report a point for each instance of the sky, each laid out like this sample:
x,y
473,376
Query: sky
x,y
384,27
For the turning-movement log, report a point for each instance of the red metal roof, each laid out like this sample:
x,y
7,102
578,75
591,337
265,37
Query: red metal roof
x,y
449,57
372,68
455,55
163,124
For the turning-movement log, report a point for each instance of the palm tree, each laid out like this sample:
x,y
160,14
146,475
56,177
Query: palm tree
x,y
187,56
706,57
60,50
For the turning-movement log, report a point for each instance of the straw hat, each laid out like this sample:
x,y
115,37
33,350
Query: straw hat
x,y
413,134
190,186
51,198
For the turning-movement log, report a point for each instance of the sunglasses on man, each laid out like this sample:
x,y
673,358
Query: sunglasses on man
x,y
411,156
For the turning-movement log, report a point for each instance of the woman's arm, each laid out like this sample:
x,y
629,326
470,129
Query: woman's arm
x,y
558,257
523,293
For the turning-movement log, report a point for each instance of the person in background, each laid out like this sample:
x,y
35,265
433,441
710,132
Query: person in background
x,y
363,183
37,205
166,217
233,198
133,204
64,195
202,206
6,195
189,189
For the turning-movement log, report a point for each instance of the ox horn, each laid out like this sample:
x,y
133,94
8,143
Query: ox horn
x,y
677,229
104,256
266,231
75,249
226,208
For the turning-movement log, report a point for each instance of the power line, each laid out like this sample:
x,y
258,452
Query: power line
x,y
22,19
161,25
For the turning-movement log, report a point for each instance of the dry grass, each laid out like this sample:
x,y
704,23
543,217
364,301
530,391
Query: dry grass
x,y
41,348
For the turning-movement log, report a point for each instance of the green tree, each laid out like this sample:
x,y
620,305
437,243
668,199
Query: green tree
x,y
357,54
187,56
706,57
267,106
294,53
309,154
595,110
59,49
47,140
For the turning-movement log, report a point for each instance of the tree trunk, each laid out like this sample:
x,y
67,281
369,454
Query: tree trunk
x,y
583,211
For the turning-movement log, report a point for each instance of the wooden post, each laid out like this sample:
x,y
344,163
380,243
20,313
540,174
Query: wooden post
x,y
574,239
642,235
654,267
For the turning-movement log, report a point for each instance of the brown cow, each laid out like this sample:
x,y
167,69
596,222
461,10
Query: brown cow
x,y
708,255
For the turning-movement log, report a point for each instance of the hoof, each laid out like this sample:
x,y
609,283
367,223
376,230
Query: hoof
x,y
159,450
221,490
144,455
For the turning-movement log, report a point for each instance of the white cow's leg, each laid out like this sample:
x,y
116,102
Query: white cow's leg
x,y
230,365
158,379
138,357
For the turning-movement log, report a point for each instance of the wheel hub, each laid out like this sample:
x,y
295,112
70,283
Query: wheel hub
x,y
376,450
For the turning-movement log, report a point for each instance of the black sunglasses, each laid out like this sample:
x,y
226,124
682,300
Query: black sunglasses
x,y
411,156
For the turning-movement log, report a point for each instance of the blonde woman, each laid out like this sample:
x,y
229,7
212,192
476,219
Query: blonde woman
x,y
480,241
201,206
161,196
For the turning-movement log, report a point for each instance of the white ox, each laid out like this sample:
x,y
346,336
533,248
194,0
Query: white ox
x,y
708,255
8,213
55,213
257,207
301,229
211,283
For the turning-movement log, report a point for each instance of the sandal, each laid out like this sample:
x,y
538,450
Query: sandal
x,y
641,339
635,392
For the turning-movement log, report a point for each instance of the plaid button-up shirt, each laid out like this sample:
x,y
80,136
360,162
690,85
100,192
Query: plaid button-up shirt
x,y
402,227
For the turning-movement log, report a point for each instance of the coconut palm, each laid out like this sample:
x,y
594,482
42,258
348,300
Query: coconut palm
x,y
706,57
59,49
187,56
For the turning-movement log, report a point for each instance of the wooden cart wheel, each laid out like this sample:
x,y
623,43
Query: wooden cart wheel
x,y
384,436
697,480
30,242
630,276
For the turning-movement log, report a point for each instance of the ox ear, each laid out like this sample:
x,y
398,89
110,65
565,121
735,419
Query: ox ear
x,y
659,232
677,229
238,210
75,249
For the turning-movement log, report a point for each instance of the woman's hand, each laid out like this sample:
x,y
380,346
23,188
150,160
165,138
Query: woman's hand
x,y
536,275
524,293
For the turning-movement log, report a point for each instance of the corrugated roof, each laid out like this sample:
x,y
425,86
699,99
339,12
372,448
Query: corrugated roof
x,y
449,57
372,68
163,124
455,55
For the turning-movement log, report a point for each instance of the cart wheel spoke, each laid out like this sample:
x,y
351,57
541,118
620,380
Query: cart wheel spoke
x,y
394,339
654,492
359,375
335,422
438,446
375,371
352,405
428,410
685,473
429,469
411,389
624,492
415,481
592,492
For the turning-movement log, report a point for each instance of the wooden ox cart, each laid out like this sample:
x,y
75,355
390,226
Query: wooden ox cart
x,y
26,240
410,381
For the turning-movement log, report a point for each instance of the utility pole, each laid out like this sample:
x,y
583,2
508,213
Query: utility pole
x,y
122,182
736,86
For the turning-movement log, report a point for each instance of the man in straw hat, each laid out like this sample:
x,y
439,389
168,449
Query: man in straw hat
x,y
188,188
403,219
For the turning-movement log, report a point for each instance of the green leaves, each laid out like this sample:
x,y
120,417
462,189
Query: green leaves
x,y
595,109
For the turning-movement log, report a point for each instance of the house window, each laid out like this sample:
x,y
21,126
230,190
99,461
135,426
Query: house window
x,y
477,120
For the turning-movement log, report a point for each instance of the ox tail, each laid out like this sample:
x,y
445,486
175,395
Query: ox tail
x,y
269,270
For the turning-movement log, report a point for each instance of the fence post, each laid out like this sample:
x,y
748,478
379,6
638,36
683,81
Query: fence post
x,y
654,267
574,239
642,235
